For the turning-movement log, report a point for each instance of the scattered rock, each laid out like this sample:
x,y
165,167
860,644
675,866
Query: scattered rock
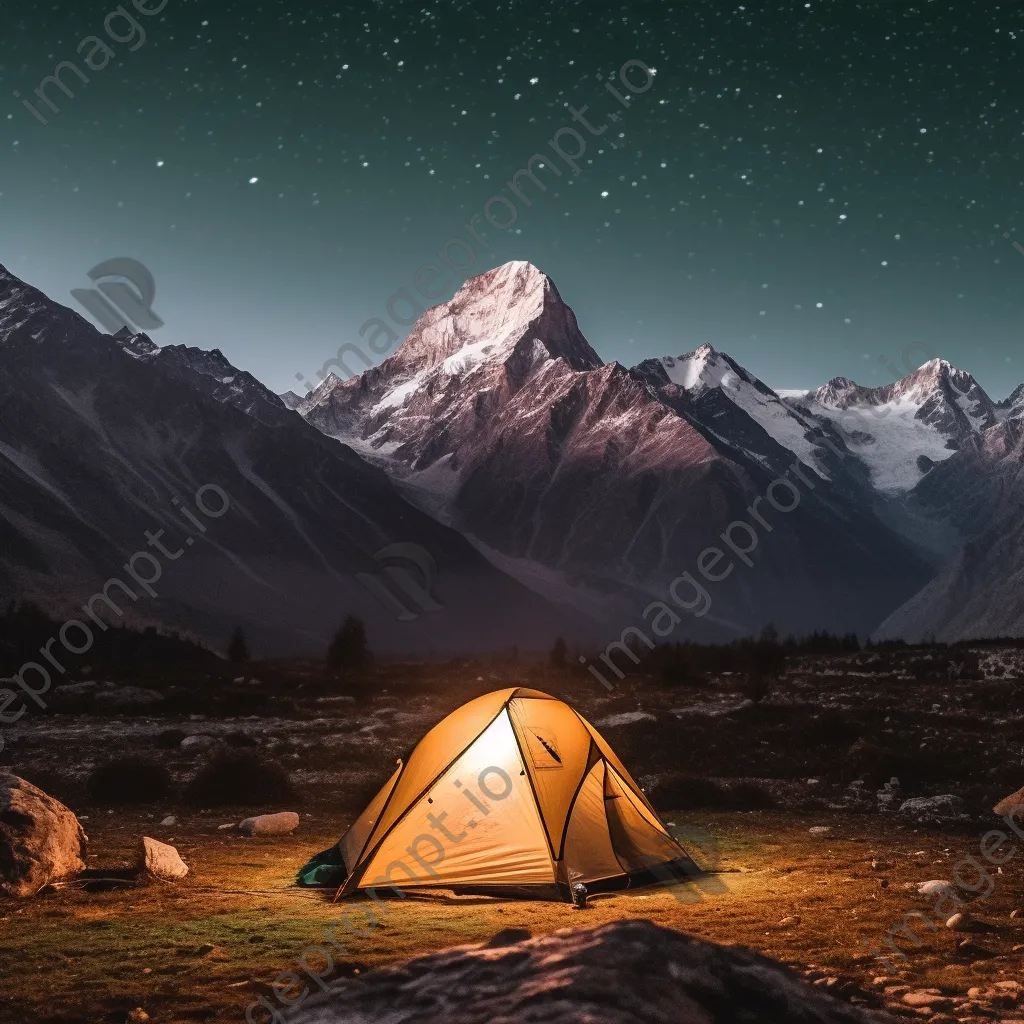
x,y
937,888
820,830
627,718
159,861
282,824
968,948
126,698
41,840
169,820
198,742
945,807
931,998
626,970
1009,804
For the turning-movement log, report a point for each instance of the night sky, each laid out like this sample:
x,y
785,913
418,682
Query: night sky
x,y
806,186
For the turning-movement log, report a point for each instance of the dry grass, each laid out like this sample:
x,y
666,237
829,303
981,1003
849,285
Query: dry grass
x,y
74,956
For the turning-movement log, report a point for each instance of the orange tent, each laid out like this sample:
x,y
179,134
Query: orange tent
x,y
512,794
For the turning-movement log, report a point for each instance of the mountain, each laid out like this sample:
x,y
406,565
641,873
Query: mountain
x,y
901,430
979,592
100,434
598,485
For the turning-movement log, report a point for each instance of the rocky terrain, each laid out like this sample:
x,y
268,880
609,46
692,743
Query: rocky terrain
x,y
823,809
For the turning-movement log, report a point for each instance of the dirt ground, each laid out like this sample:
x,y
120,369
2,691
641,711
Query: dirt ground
x,y
207,948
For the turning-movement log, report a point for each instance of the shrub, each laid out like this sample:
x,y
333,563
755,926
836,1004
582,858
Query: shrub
x,y
130,780
748,796
689,793
240,777
168,739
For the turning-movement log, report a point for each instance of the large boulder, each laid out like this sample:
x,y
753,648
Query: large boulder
x,y
41,840
616,974
1013,804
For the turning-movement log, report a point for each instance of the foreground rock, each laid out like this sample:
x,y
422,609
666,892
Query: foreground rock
x,y
41,840
1014,802
623,972
159,861
283,824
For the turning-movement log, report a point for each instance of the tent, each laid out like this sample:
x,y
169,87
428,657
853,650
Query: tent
x,y
515,794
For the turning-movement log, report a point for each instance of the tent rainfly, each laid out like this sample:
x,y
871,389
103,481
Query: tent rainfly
x,y
513,794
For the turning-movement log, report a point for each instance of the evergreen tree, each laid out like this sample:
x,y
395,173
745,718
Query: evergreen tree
x,y
558,652
349,649
238,649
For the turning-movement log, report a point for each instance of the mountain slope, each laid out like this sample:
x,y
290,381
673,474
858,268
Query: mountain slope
x,y
98,434
600,484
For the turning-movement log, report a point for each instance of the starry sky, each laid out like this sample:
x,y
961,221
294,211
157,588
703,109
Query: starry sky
x,y
811,187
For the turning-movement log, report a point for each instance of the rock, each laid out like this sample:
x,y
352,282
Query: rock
x,y
137,1016
968,948
1007,806
169,820
945,807
929,997
820,830
627,718
127,698
1015,914
960,923
41,840
937,888
281,824
198,742
625,971
160,861
789,922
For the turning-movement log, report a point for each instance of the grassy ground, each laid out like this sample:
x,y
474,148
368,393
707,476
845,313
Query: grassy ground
x,y
75,956
814,752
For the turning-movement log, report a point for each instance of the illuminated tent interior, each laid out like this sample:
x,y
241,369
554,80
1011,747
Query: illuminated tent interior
x,y
513,794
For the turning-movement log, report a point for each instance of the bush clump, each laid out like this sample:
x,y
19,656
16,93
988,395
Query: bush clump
x,y
240,777
130,780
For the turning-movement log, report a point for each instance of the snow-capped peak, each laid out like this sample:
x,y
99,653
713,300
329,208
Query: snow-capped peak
x,y
489,318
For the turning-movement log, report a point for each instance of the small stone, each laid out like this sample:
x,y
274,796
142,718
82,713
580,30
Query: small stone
x,y
137,1016
960,923
789,922
160,861
1014,914
931,998
281,824
819,830
169,820
198,742
968,948
936,887
221,828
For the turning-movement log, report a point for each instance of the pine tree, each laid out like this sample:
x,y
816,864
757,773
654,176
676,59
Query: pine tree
x,y
558,652
349,649
238,649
